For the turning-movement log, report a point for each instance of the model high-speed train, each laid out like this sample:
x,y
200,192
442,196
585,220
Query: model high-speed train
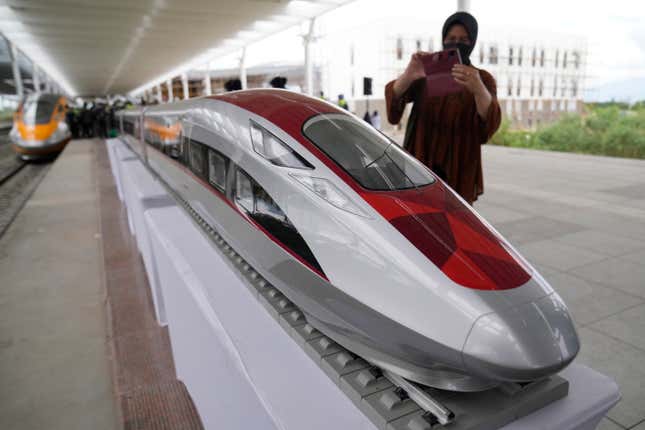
x,y
39,127
379,253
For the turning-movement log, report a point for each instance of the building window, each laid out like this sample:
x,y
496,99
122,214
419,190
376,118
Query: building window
x,y
510,55
532,87
244,191
557,58
259,206
576,59
510,87
564,60
540,87
542,57
533,57
518,91
418,45
519,57
481,54
217,169
399,49
574,88
555,86
492,54
563,88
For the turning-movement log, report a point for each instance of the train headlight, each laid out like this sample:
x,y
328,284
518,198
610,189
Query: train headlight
x,y
330,193
275,150
61,133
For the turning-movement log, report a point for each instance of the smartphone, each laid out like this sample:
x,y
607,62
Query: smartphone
x,y
438,68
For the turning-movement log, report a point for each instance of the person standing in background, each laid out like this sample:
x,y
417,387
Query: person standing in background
x,y
342,102
376,120
446,132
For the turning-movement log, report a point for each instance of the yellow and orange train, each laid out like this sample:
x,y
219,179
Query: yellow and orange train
x,y
39,127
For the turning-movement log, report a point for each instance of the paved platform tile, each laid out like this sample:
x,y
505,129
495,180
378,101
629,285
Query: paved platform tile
x,y
617,273
602,243
589,301
628,326
535,228
558,256
622,362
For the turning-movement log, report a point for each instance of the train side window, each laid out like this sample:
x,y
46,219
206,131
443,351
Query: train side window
x,y
244,190
197,159
217,169
185,149
260,207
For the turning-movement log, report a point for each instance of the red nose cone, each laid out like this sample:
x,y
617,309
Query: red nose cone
x,y
450,234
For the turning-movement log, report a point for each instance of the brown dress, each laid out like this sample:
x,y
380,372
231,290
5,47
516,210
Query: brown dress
x,y
446,133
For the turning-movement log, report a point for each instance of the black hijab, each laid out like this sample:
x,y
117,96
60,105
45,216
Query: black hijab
x,y
470,24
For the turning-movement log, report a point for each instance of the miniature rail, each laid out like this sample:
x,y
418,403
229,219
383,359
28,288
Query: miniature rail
x,y
388,400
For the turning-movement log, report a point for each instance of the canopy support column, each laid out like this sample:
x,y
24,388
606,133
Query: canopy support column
x,y
243,68
17,78
309,67
169,86
207,81
463,5
36,79
184,86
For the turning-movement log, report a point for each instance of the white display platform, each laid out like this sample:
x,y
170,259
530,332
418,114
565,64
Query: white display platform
x,y
243,370
140,191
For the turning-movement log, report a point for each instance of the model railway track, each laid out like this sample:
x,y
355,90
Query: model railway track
x,y
389,400
433,412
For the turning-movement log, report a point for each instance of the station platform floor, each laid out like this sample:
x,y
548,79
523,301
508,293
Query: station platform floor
x,y
79,344
79,347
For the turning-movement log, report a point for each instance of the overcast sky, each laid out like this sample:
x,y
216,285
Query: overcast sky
x,y
614,31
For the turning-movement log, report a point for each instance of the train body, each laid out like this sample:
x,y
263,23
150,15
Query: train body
x,y
378,252
39,128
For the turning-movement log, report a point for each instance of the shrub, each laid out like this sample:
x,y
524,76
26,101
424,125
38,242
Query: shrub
x,y
605,130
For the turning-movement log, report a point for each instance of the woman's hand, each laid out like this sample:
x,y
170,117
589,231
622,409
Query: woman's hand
x,y
413,72
469,77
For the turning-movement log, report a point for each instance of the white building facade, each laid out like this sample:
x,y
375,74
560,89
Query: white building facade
x,y
538,78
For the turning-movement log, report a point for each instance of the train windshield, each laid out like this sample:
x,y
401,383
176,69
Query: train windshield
x,y
369,157
38,110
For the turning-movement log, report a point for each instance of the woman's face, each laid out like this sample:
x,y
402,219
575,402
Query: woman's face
x,y
457,34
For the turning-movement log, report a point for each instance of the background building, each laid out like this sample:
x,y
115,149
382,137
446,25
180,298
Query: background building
x,y
538,78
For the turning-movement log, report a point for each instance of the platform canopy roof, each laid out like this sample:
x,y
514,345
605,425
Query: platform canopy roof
x,y
94,47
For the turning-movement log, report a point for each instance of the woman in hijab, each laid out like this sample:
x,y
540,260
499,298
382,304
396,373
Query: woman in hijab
x,y
446,132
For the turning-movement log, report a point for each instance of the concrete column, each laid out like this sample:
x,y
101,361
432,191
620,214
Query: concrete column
x,y
169,86
309,66
36,79
463,5
184,85
243,68
17,78
207,82
159,95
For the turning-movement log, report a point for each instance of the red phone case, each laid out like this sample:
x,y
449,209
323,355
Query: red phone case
x,y
438,68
